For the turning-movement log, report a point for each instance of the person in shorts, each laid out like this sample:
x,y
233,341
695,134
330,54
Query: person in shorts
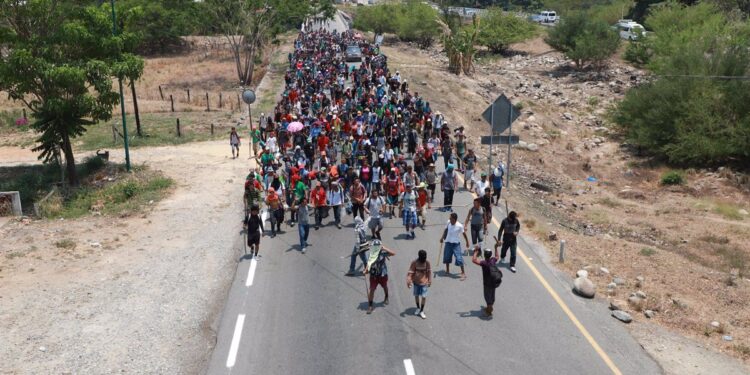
x,y
469,161
487,283
377,268
253,227
451,236
420,275
374,208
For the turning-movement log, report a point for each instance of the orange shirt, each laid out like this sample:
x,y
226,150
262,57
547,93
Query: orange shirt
x,y
319,197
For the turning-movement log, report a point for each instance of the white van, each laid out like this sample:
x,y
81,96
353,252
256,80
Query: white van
x,y
630,30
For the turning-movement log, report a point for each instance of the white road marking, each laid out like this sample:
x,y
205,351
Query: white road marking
x,y
409,367
235,340
251,272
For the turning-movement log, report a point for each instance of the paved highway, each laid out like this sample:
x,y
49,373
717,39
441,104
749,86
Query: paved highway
x,y
294,313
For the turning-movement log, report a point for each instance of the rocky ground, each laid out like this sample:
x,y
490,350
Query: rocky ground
x,y
683,249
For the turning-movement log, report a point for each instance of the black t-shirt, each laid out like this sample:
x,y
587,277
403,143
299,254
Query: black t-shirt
x,y
508,228
254,223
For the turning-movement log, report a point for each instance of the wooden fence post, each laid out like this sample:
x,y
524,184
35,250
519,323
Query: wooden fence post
x,y
188,92
171,99
179,134
208,104
161,93
221,105
238,102
212,128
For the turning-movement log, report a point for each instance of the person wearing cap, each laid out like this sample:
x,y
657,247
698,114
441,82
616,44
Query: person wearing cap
x,y
430,177
488,283
335,201
470,161
482,184
377,268
408,209
420,276
508,237
275,210
234,142
448,184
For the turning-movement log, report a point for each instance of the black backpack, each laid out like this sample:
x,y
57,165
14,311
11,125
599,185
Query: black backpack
x,y
496,276
376,269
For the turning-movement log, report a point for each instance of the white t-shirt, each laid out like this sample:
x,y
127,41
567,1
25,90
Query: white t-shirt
x,y
410,200
454,232
374,205
479,187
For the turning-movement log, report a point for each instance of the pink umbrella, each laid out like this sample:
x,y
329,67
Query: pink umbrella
x,y
295,127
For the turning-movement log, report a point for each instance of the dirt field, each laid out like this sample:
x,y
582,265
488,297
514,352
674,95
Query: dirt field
x,y
138,294
689,243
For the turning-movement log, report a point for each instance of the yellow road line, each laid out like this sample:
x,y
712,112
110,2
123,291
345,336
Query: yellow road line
x,y
598,349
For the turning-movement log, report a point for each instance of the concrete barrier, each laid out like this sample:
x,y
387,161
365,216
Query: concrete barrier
x,y
15,200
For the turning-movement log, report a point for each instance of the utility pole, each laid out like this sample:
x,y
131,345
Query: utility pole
x,y
122,96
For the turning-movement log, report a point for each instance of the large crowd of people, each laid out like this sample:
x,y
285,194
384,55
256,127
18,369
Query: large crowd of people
x,y
354,139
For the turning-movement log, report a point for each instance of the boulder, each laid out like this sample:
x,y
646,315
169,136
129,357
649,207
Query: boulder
x,y
649,313
743,212
636,302
603,271
552,236
617,304
639,281
584,287
622,316
532,147
582,273
611,286
618,281
640,294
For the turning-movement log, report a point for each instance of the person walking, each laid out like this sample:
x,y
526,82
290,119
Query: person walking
x,y
497,182
476,220
420,275
275,210
452,248
234,141
374,208
303,220
336,201
407,207
431,179
253,226
422,201
469,164
361,245
507,235
357,195
377,268
448,183
491,276
319,202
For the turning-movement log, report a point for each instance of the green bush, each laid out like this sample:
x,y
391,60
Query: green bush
x,y
637,53
672,178
129,189
498,30
688,117
412,21
584,40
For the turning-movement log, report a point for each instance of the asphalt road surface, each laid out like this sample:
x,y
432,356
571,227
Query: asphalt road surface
x,y
294,313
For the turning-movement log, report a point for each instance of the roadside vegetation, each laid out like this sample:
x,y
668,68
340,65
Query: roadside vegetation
x,y
400,19
587,41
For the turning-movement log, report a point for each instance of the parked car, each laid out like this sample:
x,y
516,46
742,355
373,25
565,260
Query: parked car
x,y
353,53
546,16
629,29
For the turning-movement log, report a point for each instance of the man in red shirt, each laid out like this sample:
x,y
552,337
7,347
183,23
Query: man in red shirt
x,y
357,194
318,196
323,142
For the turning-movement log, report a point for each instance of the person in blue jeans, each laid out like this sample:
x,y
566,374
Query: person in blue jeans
x,y
360,245
507,237
452,247
303,216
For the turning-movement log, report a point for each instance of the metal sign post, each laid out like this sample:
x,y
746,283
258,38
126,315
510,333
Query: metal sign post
x,y
510,127
248,96
500,115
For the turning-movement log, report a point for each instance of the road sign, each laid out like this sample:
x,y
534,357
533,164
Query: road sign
x,y
500,140
499,115
248,96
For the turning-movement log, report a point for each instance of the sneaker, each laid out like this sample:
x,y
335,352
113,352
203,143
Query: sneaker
x,y
303,250
350,273
502,260
385,301
338,226
369,310
417,312
422,315
513,269
413,235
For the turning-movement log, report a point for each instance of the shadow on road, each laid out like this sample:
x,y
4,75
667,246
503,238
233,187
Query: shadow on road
x,y
475,314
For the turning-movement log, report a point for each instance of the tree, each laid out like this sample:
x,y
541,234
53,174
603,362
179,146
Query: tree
x,y
59,61
418,23
248,25
584,40
460,46
696,112
499,30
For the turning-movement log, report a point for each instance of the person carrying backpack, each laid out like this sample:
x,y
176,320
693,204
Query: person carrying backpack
x,y
492,277
253,227
507,235
378,270
420,275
